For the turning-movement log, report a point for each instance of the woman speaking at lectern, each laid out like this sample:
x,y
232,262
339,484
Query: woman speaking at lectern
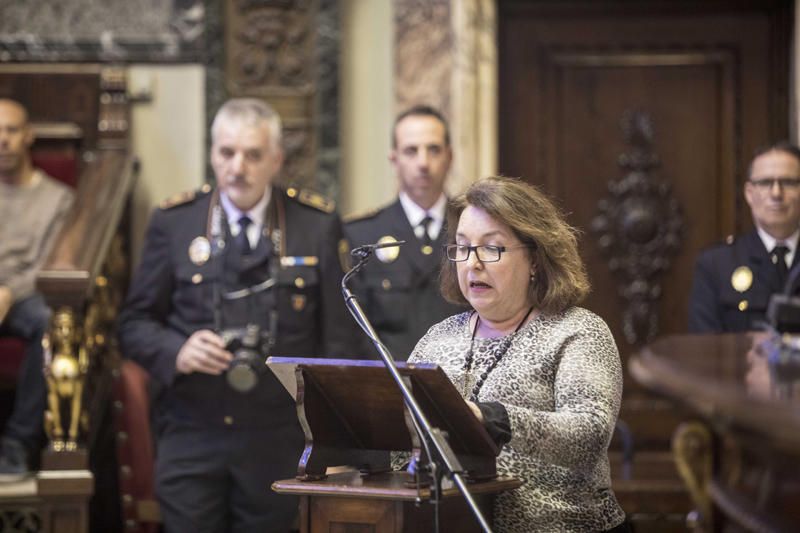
x,y
543,375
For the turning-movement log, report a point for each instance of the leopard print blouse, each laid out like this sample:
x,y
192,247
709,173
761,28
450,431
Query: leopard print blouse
x,y
560,381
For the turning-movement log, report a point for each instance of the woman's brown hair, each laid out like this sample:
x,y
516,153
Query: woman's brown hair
x,y
560,277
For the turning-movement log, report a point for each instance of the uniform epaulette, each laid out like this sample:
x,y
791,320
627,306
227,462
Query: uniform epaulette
x,y
184,197
364,215
311,198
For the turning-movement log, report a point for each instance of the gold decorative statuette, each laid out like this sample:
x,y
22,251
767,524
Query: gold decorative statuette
x,y
66,364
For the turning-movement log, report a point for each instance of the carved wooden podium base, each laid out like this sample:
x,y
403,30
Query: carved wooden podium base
x,y
383,503
65,460
52,501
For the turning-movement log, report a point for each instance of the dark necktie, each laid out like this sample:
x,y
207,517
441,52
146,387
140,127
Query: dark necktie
x,y
241,239
425,224
778,258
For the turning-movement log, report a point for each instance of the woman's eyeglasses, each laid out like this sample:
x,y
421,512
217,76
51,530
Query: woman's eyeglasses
x,y
486,253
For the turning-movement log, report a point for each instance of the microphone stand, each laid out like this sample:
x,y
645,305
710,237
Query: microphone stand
x,y
430,436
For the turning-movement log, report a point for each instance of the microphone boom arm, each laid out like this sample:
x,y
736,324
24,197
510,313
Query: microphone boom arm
x,y
431,436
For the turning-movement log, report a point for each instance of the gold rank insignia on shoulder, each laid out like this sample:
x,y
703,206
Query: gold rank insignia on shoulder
x,y
742,278
299,260
183,197
387,255
343,249
199,250
311,198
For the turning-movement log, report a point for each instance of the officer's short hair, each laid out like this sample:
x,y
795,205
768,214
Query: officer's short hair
x,y
249,112
421,111
782,146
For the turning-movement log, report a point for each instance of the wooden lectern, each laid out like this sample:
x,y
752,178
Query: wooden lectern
x,y
352,413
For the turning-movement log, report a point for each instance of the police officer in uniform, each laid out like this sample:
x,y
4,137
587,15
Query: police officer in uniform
x,y
399,288
733,281
247,253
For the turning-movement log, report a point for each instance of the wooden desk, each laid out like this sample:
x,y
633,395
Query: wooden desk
x,y
385,503
54,501
741,459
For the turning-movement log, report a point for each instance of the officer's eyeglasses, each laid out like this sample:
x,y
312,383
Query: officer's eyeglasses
x,y
766,184
486,253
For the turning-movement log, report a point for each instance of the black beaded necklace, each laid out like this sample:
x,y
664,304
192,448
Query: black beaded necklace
x,y
473,397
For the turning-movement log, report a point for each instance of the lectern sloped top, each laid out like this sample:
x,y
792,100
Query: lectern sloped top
x,y
355,406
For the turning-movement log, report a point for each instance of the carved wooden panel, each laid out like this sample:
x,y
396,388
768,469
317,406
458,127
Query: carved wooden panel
x,y
638,227
286,52
712,76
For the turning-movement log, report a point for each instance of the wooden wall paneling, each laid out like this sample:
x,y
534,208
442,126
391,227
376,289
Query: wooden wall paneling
x,y
710,80
704,74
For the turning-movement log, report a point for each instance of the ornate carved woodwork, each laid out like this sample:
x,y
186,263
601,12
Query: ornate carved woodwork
x,y
691,446
740,462
66,364
21,520
638,226
286,51
569,70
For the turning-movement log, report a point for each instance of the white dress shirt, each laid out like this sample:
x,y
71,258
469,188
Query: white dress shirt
x,y
415,214
256,215
770,242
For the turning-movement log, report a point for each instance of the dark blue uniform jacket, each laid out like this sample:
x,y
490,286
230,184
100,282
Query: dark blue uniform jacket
x,y
715,305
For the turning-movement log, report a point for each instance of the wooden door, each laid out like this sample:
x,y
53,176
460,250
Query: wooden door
x,y
640,118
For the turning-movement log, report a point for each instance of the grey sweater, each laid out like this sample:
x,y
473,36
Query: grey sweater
x,y
31,217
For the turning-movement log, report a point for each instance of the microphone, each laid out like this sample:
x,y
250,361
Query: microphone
x,y
367,249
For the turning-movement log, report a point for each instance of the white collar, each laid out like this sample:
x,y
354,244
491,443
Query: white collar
x,y
256,214
415,213
770,241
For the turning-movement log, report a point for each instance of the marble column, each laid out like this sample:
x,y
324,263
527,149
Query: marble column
x,y
445,56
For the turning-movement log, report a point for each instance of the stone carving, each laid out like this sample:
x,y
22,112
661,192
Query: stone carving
x,y
115,30
638,225
271,46
286,51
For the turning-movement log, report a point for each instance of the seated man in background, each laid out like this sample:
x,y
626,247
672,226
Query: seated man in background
x,y
733,281
32,208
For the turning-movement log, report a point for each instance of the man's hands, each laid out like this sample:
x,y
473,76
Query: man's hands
x,y
6,299
203,352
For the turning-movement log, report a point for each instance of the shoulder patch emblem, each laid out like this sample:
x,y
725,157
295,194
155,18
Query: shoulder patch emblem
x,y
184,197
742,279
343,249
311,198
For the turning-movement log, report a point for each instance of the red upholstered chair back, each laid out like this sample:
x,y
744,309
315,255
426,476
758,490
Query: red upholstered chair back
x,y
61,165
135,448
